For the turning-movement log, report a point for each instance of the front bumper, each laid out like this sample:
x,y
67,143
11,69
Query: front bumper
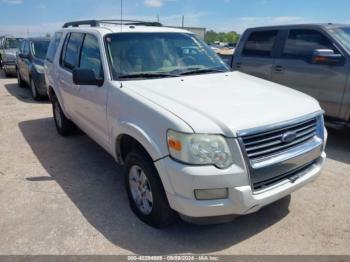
x,y
181,180
9,66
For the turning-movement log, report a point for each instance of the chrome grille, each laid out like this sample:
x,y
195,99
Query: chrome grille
x,y
268,143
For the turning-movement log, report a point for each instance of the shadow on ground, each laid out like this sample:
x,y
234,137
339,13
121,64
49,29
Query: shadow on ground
x,y
338,146
94,183
22,94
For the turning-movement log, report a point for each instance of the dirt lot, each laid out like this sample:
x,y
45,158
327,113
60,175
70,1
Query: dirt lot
x,y
66,196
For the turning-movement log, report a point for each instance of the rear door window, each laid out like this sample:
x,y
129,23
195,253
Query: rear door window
x,y
301,44
51,51
260,44
71,50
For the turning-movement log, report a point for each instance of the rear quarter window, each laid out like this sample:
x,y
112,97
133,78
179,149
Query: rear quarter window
x,y
51,51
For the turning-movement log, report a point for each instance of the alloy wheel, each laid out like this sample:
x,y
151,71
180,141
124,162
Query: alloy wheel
x,y
140,190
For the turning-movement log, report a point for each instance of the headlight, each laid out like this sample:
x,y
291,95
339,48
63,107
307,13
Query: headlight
x,y
199,149
39,69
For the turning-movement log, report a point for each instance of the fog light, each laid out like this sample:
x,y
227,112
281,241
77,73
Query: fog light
x,y
211,194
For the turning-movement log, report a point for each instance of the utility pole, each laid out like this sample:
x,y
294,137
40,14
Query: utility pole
x,y
183,21
158,18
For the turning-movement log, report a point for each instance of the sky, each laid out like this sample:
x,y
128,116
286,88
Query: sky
x,y
37,17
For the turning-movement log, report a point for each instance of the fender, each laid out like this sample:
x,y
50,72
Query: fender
x,y
60,100
133,130
139,134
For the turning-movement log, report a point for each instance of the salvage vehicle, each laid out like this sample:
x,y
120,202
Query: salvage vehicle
x,y
8,49
30,65
311,58
196,139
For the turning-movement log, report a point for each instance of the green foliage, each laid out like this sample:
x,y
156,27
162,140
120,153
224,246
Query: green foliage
x,y
230,37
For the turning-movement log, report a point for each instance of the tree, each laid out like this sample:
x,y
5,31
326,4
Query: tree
x,y
230,37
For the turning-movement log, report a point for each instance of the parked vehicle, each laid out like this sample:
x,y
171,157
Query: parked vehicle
x,y
195,139
8,49
314,59
30,65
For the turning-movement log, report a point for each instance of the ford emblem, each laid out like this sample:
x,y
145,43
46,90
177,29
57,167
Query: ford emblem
x,y
289,137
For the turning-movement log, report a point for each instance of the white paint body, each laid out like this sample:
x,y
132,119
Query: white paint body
x,y
220,103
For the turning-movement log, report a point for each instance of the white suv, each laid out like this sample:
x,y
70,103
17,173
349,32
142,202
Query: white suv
x,y
195,139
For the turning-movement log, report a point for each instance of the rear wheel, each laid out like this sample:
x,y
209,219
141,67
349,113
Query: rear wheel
x,y
145,191
64,126
20,81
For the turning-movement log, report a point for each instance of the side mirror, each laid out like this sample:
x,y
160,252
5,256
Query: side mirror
x,y
24,56
326,57
86,77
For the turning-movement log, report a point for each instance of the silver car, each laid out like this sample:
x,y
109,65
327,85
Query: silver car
x,y
8,48
314,59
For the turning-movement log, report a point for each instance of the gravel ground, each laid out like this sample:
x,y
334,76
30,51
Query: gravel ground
x,y
66,196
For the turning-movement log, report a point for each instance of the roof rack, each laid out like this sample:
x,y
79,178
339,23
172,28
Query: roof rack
x,y
96,23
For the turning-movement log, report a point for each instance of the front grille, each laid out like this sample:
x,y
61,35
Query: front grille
x,y
291,175
268,143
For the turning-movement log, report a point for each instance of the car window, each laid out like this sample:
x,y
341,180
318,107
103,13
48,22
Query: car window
x,y
39,48
159,53
301,44
26,48
71,50
90,55
260,44
13,43
51,51
21,48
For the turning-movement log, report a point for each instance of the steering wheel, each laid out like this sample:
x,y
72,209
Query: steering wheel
x,y
188,60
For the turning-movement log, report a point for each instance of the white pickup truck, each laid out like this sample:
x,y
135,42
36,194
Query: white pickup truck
x,y
196,139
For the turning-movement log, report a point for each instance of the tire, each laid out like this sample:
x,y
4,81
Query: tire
x,y
7,74
20,81
36,96
64,126
156,212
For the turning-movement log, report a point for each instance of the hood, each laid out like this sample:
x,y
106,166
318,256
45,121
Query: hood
x,y
38,61
225,103
10,52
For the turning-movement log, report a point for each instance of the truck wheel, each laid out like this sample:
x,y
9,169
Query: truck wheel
x,y
20,81
64,126
146,194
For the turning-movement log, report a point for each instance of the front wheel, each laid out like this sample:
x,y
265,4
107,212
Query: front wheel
x,y
64,126
146,194
34,89
20,81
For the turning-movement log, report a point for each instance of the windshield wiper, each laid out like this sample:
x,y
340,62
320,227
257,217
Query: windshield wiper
x,y
147,75
202,71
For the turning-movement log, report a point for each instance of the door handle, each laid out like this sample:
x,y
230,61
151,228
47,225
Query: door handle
x,y
279,68
238,65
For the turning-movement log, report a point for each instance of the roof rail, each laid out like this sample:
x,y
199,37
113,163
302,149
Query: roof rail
x,y
96,23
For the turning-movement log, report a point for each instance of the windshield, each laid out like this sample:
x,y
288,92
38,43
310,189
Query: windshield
x,y
13,43
39,48
160,55
343,35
